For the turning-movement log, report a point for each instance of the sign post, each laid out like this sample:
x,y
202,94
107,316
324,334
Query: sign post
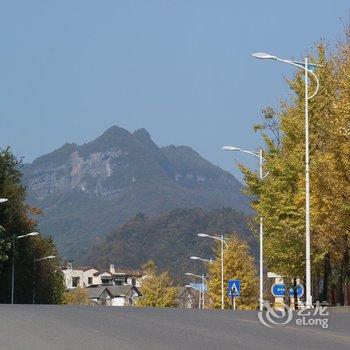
x,y
234,291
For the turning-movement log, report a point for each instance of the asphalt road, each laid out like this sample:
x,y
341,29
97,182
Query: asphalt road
x,y
46,327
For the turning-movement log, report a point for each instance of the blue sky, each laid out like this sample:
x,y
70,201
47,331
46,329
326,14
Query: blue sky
x,y
180,69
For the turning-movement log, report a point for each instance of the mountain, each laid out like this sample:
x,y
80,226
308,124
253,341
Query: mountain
x,y
86,190
169,240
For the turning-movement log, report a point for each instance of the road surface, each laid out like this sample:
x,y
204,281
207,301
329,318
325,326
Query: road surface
x,y
49,327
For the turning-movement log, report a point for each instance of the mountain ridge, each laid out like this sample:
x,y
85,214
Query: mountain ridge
x,y
87,190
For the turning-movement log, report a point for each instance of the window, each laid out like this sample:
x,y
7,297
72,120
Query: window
x,y
119,281
75,281
134,281
89,280
105,280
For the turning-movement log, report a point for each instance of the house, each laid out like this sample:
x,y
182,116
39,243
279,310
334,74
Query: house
x,y
73,278
100,295
113,295
124,295
86,276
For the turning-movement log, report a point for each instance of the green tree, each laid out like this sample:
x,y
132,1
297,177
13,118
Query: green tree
x,y
238,264
157,289
16,218
77,296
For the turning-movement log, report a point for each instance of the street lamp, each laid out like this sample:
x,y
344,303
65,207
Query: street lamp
x,y
203,284
34,261
13,261
308,69
222,241
261,235
201,259
46,258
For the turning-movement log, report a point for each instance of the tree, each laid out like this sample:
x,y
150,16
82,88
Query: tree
x,y
77,296
157,289
16,218
238,264
280,197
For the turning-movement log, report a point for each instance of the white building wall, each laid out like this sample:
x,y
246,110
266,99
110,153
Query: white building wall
x,y
118,301
87,274
98,279
68,275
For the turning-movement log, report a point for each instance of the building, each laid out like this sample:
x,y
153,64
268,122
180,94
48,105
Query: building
x,y
100,295
87,276
115,287
113,295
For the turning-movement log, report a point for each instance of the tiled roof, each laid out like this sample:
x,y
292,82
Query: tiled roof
x,y
125,272
100,272
95,292
119,291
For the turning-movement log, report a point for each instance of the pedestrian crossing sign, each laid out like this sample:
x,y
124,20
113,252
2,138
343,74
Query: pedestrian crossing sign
x,y
234,288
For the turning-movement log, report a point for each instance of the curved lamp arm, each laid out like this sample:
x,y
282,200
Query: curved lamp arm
x,y
266,56
302,66
202,277
255,154
221,240
214,237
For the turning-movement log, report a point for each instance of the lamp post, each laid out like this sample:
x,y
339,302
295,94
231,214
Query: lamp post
x,y
203,284
34,261
206,261
308,69
222,242
261,231
13,261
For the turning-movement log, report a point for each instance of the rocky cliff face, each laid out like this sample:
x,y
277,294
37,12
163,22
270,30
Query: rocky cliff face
x,y
86,191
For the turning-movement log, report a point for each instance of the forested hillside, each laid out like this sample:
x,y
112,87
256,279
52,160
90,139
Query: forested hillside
x,y
169,240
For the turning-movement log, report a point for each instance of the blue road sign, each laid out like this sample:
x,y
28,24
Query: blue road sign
x,y
300,291
234,288
199,286
278,289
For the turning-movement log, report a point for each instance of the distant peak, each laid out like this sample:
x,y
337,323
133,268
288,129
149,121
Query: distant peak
x,y
142,133
145,138
114,131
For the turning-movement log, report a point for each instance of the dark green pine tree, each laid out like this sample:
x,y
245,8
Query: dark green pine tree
x,y
16,218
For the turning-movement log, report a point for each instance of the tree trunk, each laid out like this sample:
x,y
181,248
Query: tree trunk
x,y
326,275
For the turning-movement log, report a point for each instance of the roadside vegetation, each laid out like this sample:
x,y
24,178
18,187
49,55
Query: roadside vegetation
x,y
157,289
280,197
17,218
238,264
77,296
